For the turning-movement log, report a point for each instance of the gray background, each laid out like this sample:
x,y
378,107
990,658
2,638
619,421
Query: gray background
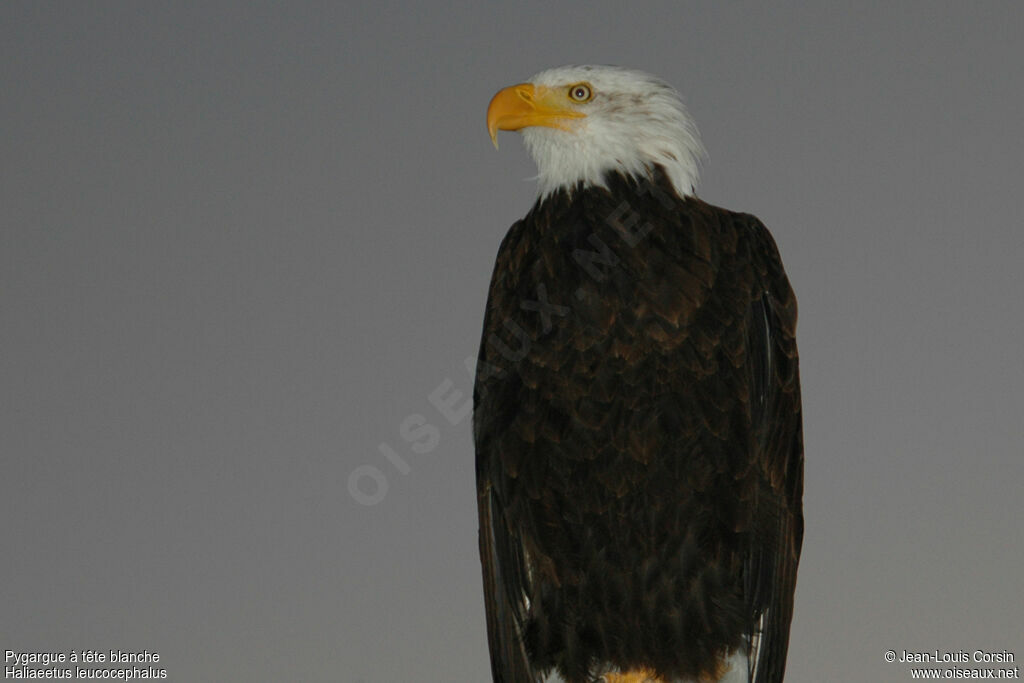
x,y
241,244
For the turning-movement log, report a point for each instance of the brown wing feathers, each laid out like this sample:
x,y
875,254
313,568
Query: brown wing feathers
x,y
638,440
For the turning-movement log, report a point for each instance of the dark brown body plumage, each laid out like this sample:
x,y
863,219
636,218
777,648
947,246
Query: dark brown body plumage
x,y
638,436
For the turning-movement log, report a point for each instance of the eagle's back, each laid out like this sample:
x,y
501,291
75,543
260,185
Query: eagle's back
x,y
637,429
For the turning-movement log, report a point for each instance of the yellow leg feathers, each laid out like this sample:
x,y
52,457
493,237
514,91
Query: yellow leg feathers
x,y
648,676
632,677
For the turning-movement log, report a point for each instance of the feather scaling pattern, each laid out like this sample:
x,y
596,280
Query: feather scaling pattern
x,y
638,435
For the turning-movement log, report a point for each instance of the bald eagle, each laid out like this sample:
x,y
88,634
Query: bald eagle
x,y
637,421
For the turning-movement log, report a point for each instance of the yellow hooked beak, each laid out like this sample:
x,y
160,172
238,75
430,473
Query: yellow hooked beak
x,y
523,105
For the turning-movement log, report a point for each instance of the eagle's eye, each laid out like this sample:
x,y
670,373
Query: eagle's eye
x,y
580,92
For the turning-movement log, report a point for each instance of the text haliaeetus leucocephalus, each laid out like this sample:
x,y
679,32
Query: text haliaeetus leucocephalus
x,y
637,405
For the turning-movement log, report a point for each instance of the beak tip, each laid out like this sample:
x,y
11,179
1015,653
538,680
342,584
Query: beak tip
x,y
506,105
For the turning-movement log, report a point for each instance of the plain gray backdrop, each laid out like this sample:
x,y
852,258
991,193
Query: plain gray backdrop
x,y
243,243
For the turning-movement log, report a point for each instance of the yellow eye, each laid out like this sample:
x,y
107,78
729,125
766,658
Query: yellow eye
x,y
580,92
